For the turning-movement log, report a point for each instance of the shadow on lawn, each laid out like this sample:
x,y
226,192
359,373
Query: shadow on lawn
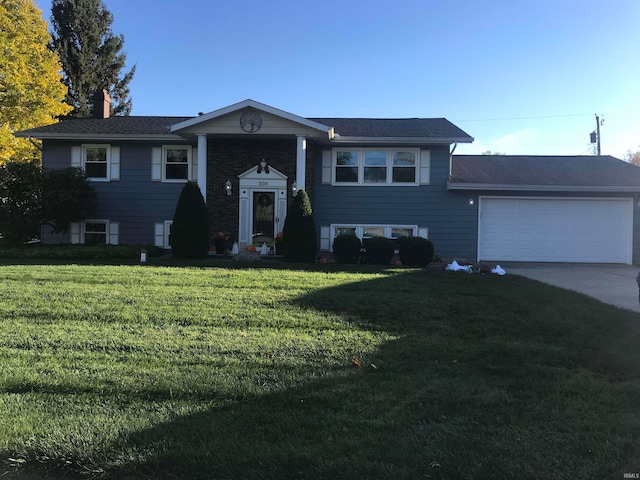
x,y
468,389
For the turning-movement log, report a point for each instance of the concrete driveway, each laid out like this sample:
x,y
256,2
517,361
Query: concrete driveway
x,y
613,284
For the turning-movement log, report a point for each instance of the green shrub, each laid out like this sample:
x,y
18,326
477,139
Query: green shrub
x,y
416,251
379,250
346,249
190,229
300,242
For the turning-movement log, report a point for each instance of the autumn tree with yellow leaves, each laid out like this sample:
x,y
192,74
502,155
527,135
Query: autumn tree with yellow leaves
x,y
31,93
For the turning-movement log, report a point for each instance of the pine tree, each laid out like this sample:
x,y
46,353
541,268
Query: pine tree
x,y
300,242
91,55
31,94
190,229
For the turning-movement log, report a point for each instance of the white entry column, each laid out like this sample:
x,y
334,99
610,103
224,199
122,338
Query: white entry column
x,y
301,161
202,164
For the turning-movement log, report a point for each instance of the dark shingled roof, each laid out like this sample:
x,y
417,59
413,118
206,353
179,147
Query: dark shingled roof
x,y
436,128
394,127
520,170
131,125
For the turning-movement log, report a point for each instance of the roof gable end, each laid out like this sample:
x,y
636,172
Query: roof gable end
x,y
193,124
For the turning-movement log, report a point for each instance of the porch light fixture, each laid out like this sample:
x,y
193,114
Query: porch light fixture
x,y
263,167
227,188
294,189
471,201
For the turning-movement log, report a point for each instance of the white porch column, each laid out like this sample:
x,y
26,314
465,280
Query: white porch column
x,y
301,161
202,164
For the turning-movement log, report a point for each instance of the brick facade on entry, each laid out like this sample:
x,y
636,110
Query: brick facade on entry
x,y
228,158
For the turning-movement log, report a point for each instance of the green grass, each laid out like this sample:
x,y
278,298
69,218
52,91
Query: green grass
x,y
231,373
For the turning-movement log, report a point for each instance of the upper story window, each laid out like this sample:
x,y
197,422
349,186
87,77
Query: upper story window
x,y
95,160
375,167
176,162
100,162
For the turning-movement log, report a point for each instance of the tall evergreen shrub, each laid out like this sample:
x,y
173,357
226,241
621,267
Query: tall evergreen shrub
x,y
190,230
300,243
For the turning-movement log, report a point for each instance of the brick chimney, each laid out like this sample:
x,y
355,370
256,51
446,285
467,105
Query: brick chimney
x,y
101,104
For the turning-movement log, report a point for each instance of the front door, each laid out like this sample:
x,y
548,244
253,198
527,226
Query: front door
x,y
263,205
264,214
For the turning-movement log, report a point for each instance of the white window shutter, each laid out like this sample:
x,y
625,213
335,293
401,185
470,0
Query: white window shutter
x,y
194,165
326,167
115,163
325,238
158,235
423,232
114,230
156,164
425,167
76,157
74,231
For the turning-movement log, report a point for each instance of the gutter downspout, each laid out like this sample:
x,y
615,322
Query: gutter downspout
x,y
455,145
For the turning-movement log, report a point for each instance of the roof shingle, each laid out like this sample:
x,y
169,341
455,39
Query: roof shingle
x,y
435,128
526,170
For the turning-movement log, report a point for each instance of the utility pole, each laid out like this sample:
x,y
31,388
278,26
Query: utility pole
x,y
598,133
595,136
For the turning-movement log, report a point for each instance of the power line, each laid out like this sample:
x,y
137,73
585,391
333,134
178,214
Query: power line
x,y
523,118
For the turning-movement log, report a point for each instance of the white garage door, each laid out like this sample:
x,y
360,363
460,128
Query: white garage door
x,y
555,229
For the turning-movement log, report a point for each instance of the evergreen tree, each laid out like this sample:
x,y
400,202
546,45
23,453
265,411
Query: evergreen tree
x,y
190,229
31,94
300,243
91,55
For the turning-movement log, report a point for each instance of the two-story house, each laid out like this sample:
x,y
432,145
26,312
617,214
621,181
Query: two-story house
x,y
389,177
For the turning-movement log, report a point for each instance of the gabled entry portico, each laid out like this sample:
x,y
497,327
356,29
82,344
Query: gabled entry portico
x,y
263,203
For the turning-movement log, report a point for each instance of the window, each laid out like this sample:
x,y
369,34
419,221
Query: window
x,y
364,232
101,163
375,167
347,167
176,162
95,232
95,160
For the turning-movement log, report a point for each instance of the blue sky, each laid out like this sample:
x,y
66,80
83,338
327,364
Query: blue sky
x,y
521,77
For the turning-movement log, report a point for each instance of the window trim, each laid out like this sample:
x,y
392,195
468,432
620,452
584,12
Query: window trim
x,y
389,166
83,231
107,147
189,150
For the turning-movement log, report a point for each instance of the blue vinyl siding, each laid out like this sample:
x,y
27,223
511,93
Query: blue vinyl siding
x,y
452,222
134,201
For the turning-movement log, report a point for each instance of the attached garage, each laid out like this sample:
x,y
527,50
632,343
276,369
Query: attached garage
x,y
539,229
530,208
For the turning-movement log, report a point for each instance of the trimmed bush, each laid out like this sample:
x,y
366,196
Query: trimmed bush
x,y
346,249
379,250
416,251
190,230
300,242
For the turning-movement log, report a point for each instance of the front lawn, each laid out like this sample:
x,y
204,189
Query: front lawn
x,y
275,373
